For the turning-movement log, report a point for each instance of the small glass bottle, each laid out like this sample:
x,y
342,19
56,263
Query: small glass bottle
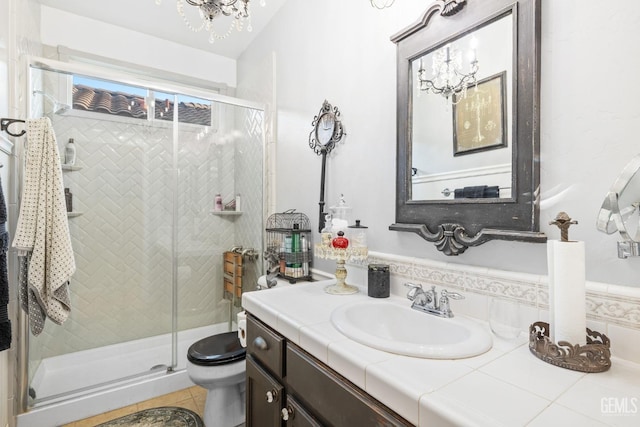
x,y
340,242
358,234
326,232
340,215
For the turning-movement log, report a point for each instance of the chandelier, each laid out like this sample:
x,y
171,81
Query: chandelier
x,y
447,76
212,9
381,4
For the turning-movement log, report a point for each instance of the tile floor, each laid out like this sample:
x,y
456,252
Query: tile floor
x,y
191,398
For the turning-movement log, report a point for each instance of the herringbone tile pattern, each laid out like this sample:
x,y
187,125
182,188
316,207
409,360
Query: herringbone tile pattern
x,y
123,241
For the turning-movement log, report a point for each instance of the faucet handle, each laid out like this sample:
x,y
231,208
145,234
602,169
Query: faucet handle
x,y
413,291
452,295
445,295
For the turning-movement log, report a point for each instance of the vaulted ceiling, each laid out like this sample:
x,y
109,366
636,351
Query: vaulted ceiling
x,y
162,21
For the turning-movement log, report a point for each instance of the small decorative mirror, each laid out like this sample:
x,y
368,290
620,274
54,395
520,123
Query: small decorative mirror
x,y
468,114
326,133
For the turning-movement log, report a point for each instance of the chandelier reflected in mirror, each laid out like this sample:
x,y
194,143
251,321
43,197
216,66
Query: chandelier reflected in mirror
x,y
447,77
209,10
381,4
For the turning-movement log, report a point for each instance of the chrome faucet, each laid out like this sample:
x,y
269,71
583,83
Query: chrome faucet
x,y
428,301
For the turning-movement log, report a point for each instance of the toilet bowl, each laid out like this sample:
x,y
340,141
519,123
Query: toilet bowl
x,y
217,363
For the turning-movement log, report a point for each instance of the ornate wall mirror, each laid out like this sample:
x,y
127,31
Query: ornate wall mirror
x,y
468,123
326,133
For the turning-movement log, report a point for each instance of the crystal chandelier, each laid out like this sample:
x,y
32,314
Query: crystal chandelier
x,y
447,76
211,9
381,4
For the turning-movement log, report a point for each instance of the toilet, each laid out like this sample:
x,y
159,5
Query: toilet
x,y
217,363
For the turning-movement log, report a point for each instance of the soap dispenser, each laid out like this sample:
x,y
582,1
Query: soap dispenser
x,y
70,153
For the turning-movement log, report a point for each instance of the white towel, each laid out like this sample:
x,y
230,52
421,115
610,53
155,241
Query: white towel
x,y
43,228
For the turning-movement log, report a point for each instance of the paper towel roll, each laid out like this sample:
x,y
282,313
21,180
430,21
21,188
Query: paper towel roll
x,y
567,300
242,328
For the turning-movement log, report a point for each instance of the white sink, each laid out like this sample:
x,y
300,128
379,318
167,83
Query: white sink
x,y
393,326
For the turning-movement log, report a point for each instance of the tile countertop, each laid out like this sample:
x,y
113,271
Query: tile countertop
x,y
507,386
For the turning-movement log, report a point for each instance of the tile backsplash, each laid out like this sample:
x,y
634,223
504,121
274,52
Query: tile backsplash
x,y
611,309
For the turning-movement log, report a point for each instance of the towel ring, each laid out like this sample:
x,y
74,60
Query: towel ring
x,y
5,123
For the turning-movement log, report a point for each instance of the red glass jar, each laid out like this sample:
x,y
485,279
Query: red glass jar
x,y
340,242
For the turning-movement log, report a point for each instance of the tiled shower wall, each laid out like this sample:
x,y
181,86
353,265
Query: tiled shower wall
x,y
121,290
249,183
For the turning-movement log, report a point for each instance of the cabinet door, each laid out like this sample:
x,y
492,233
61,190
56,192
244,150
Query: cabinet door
x,y
264,397
331,398
297,416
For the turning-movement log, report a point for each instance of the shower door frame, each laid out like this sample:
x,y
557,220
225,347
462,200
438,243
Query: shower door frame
x,y
155,84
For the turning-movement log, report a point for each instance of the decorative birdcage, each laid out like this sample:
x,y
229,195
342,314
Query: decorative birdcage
x,y
288,249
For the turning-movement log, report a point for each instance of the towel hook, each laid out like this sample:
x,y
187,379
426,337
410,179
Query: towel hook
x,y
5,123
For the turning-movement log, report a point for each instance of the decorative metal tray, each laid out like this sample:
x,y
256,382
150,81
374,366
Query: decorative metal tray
x,y
593,357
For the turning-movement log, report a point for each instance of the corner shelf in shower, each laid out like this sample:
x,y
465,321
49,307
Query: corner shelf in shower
x,y
70,168
226,213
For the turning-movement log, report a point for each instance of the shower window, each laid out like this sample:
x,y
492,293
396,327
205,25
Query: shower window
x,y
106,97
190,110
116,99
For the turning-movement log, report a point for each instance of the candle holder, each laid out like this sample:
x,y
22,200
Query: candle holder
x,y
593,357
341,256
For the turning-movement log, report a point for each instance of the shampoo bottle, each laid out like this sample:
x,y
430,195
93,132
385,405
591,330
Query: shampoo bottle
x,y
70,153
68,199
296,249
305,254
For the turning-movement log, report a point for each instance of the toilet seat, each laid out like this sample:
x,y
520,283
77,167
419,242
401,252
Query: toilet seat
x,y
220,349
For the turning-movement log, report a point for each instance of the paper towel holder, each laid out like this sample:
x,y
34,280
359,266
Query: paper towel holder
x,y
563,221
595,356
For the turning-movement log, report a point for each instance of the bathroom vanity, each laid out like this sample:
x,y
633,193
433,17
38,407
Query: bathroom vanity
x,y
286,384
302,371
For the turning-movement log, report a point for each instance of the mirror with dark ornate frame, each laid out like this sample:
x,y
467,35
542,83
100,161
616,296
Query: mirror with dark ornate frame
x,y
462,215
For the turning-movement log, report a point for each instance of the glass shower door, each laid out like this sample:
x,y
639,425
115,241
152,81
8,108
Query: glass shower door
x,y
122,200
220,152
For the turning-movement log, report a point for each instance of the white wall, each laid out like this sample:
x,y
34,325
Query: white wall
x,y
340,51
60,28
6,367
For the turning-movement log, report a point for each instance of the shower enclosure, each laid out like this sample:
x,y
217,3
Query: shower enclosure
x,y
150,158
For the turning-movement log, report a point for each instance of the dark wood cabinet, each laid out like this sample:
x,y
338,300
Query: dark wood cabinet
x,y
286,386
297,415
264,397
